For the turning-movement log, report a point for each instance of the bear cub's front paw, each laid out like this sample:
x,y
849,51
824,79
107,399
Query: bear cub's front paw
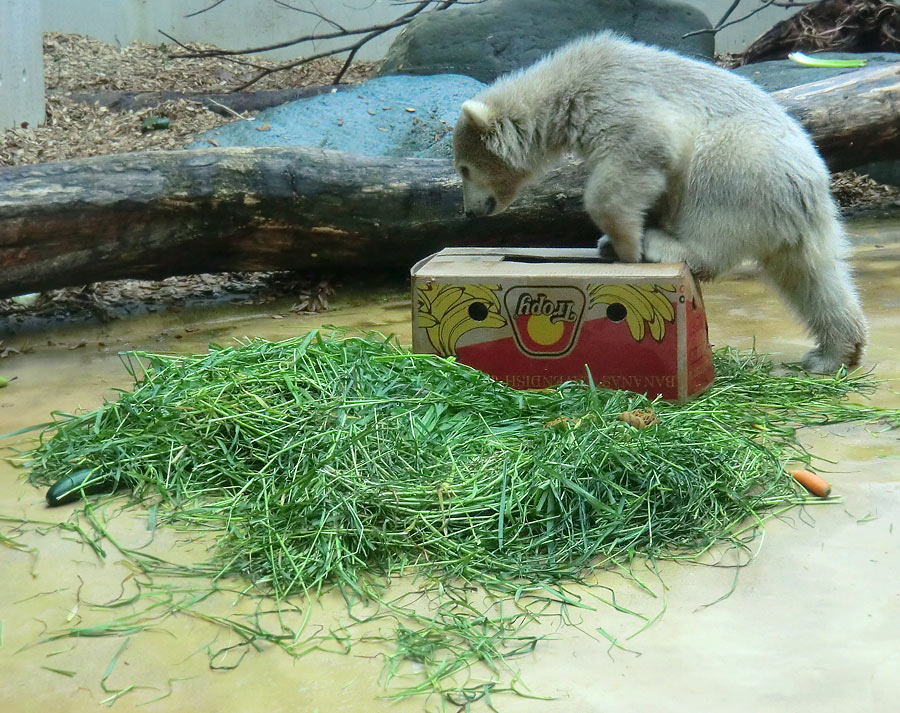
x,y
605,249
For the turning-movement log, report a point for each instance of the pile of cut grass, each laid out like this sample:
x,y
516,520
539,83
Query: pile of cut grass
x,y
326,460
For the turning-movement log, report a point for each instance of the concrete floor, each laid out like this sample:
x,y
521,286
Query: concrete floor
x,y
813,625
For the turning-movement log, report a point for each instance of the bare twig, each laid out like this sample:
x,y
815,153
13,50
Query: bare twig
x,y
315,37
205,9
727,13
364,34
231,111
235,60
724,22
313,13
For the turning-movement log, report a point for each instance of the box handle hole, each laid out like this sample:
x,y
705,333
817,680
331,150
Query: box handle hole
x,y
616,312
478,311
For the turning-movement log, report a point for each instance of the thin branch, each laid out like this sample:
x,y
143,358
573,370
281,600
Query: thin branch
x,y
345,66
406,18
235,60
266,71
748,15
728,12
314,13
352,54
367,34
722,24
206,9
402,20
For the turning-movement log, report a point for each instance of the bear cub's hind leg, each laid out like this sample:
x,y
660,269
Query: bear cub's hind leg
x,y
816,282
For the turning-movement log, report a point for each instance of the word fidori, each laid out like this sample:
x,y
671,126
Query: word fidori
x,y
631,383
557,310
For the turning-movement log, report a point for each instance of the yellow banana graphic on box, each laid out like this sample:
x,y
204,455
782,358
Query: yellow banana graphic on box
x,y
446,312
646,306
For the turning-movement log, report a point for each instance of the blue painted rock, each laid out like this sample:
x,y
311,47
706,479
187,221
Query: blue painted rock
x,y
386,116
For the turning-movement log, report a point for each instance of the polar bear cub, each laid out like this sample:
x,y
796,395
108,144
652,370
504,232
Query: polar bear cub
x,y
688,162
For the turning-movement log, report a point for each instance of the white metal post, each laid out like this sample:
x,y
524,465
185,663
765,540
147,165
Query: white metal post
x,y
21,63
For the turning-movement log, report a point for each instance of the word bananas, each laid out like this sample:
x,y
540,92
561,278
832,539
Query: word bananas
x,y
645,306
446,312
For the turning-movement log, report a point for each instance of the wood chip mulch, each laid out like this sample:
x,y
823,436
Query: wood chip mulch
x,y
73,63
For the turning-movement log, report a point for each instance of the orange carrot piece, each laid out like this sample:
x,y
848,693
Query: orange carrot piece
x,y
812,482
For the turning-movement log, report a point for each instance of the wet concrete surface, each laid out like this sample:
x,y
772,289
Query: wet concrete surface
x,y
813,624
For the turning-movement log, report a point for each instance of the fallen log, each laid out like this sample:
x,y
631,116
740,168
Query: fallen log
x,y
153,215
853,118
226,104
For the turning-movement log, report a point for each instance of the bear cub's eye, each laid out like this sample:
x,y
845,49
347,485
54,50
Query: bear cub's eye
x,y
464,172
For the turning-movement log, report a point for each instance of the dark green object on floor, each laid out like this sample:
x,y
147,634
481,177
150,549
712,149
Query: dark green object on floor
x,y
75,486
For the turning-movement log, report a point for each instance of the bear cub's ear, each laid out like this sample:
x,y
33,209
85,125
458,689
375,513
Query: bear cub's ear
x,y
478,113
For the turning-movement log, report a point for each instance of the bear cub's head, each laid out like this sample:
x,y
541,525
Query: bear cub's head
x,y
490,183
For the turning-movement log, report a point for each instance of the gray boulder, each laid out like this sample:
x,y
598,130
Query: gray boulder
x,y
485,40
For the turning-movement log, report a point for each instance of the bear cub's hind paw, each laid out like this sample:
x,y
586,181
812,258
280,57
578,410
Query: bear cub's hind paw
x,y
820,361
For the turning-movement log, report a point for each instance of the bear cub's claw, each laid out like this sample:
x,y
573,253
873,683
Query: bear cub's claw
x,y
606,250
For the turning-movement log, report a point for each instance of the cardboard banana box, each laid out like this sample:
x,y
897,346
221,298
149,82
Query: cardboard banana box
x,y
537,317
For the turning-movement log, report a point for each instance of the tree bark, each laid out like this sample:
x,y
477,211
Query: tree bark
x,y
153,215
853,118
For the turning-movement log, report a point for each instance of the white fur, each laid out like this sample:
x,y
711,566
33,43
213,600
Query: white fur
x,y
477,112
688,162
